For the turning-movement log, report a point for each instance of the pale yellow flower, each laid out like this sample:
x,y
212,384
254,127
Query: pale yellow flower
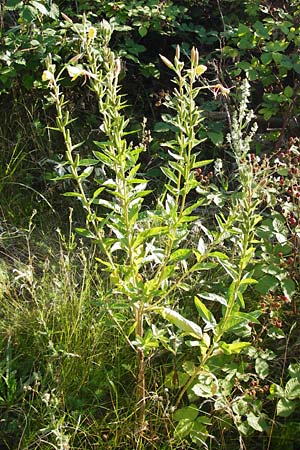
x,y
92,33
47,76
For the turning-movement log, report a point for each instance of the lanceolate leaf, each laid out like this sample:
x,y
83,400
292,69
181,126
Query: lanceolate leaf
x,y
181,322
205,314
213,297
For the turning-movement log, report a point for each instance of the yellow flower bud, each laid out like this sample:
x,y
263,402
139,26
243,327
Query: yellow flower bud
x,y
167,62
194,56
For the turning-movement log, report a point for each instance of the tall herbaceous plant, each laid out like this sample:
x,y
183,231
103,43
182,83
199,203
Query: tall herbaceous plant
x,y
149,252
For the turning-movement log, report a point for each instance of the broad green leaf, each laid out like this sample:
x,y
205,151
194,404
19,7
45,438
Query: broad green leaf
x,y
288,91
285,407
276,46
261,368
243,30
217,138
189,367
182,323
234,348
294,370
258,423
206,386
288,287
296,67
11,4
266,58
238,321
187,412
143,30
199,432
261,30
266,283
40,7
183,428
292,389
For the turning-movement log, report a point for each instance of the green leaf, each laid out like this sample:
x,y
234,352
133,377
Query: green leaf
x,y
276,391
213,297
261,368
266,283
146,234
11,4
86,233
205,314
294,370
72,194
180,322
285,407
258,423
40,7
288,287
189,367
202,163
276,46
206,387
143,30
277,57
88,162
266,58
188,412
243,30
248,281
86,172
296,67
179,255
217,138
234,348
261,30
219,255
292,389
183,428
169,174
288,91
